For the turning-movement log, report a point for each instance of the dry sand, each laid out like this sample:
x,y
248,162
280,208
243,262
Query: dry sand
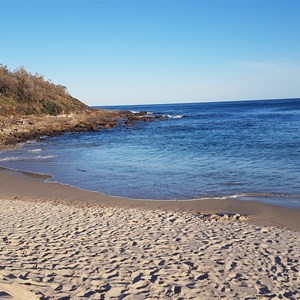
x,y
109,248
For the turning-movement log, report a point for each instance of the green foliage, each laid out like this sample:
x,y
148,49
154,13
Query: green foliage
x,y
32,94
51,108
30,111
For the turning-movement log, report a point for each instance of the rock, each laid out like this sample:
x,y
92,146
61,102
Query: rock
x,y
236,216
214,217
224,218
18,122
141,113
95,128
16,128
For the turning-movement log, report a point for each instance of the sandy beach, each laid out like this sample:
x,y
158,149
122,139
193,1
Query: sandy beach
x,y
59,242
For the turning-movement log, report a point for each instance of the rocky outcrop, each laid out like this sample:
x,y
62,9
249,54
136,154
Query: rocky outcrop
x,y
32,107
17,128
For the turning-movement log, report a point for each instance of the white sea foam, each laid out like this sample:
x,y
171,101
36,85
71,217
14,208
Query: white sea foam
x,y
237,196
262,195
35,150
175,116
45,156
20,158
11,158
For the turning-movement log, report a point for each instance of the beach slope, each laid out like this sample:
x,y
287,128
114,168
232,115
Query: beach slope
x,y
59,242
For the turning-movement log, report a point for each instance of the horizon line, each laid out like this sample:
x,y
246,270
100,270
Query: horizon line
x,y
205,102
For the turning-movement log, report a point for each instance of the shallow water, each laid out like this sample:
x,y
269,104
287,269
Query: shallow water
x,y
248,150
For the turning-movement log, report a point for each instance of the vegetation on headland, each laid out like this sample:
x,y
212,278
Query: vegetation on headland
x,y
30,94
32,107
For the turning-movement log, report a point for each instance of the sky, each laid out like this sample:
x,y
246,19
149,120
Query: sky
x,y
160,51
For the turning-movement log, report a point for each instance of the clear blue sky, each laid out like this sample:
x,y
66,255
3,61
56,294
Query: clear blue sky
x,y
129,52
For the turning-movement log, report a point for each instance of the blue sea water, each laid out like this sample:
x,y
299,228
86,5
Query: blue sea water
x,y
248,150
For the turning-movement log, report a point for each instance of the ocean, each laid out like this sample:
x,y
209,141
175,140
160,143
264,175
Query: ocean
x,y
247,150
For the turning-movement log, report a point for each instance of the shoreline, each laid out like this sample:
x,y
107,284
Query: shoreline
x,y
60,242
32,187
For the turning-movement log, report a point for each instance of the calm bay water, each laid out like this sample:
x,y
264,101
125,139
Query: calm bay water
x,y
249,150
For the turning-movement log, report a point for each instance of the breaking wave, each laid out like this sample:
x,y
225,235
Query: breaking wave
x,y
175,116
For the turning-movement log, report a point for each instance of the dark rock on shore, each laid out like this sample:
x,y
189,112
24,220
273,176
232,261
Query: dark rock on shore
x,y
17,129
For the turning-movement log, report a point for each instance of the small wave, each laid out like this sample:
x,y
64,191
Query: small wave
x,y
45,157
34,150
175,116
236,196
13,158
39,157
258,195
134,111
149,113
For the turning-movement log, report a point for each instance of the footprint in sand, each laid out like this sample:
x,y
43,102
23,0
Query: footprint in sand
x,y
4,295
15,291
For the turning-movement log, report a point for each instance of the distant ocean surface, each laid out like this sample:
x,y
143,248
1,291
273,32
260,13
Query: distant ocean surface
x,y
248,150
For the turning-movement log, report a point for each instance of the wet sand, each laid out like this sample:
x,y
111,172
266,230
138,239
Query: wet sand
x,y
31,187
59,242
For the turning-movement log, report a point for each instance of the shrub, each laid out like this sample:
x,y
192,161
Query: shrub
x,y
51,108
32,94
